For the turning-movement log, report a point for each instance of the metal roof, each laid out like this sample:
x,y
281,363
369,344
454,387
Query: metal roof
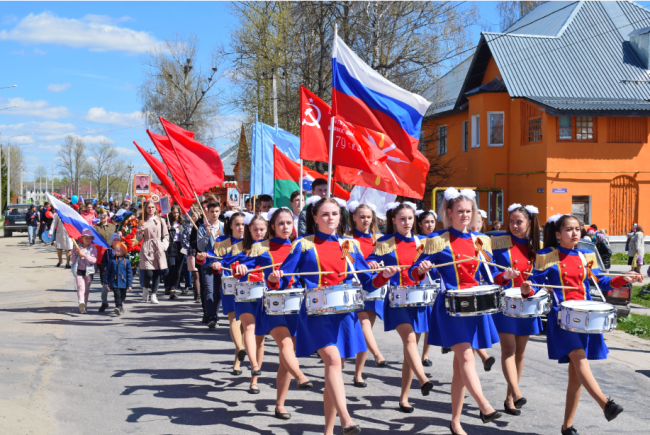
x,y
587,104
446,90
547,19
495,85
591,58
228,160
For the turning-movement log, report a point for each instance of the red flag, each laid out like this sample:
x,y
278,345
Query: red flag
x,y
161,172
200,164
351,149
407,178
164,147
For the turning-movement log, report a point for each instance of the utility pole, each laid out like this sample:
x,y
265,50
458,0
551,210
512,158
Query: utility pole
x,y
8,175
275,100
22,168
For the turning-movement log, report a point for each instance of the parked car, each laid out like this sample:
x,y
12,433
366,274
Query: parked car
x,y
15,219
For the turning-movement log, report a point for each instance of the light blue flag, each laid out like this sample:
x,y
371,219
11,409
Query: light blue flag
x,y
264,137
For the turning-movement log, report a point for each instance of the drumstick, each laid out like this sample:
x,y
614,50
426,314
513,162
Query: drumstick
x,y
554,286
306,273
493,264
270,265
617,275
372,270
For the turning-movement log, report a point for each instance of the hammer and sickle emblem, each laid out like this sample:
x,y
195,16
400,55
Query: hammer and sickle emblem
x,y
310,114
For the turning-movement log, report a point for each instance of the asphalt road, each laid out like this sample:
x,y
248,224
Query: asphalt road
x,y
158,370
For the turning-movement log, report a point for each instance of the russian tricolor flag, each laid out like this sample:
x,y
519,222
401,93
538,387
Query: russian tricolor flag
x,y
364,97
75,224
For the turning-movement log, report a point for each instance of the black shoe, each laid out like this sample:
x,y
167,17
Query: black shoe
x,y
212,324
351,430
252,390
406,409
358,384
488,418
67,266
58,264
519,403
427,362
282,415
426,388
103,307
235,372
172,296
612,410
381,363
256,372
569,431
305,385
487,365
445,350
205,320
511,411
168,292
241,355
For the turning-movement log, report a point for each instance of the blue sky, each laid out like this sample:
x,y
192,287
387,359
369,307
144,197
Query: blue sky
x,y
77,67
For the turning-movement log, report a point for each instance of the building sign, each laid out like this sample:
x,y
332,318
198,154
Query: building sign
x,y
560,190
540,190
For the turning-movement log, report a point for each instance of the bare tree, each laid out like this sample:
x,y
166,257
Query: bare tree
x,y
178,88
509,12
106,169
72,160
15,154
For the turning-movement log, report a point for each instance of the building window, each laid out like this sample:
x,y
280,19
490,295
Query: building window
x,y
531,123
495,129
495,207
581,208
442,140
579,128
535,129
465,136
476,131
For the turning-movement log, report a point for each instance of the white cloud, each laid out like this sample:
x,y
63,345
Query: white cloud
x,y
99,115
89,139
106,19
8,19
45,127
38,108
58,88
130,152
95,34
18,52
40,52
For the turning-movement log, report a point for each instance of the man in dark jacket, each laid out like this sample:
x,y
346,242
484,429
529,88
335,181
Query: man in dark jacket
x,y
106,230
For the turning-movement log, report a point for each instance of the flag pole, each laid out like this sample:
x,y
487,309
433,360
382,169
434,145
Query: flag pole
x,y
300,178
331,150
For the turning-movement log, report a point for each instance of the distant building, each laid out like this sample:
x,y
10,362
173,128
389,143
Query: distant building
x,y
243,166
553,112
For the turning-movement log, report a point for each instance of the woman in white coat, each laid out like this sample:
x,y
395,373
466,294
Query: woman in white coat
x,y
63,241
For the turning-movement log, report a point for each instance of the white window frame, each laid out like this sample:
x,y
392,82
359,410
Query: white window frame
x,y
465,136
475,131
489,126
446,140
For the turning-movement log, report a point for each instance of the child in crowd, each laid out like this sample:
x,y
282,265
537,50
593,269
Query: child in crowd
x,y
84,258
119,275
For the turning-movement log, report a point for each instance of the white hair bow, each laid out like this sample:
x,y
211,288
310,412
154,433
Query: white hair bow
x,y
373,207
340,202
270,212
248,218
411,204
391,205
418,212
483,214
451,193
312,199
228,214
555,217
352,206
532,209
435,215
514,206
468,193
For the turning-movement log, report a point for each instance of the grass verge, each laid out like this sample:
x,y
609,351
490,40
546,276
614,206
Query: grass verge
x,y
635,324
641,298
620,259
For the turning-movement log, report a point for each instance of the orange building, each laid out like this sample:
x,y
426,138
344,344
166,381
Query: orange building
x,y
553,112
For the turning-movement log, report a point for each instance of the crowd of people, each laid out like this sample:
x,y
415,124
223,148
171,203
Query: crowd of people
x,y
324,244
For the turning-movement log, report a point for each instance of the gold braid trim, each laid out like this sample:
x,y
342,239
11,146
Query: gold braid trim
x,y
260,248
487,243
501,242
237,248
544,261
591,257
385,247
222,247
356,244
306,243
436,244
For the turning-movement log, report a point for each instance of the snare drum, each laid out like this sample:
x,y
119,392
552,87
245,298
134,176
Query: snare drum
x,y
277,303
249,291
474,301
401,296
588,317
515,305
228,284
375,295
334,299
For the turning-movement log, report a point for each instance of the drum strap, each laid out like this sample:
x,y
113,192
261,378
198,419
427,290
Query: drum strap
x,y
587,273
480,255
347,260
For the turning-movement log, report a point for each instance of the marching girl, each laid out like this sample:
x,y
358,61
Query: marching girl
x,y
426,224
334,336
363,223
399,246
264,253
561,263
516,249
227,246
462,334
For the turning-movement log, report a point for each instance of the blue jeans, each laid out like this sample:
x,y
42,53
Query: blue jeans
x,y
31,233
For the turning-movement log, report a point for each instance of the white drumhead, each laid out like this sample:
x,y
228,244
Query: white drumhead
x,y
587,305
282,292
475,289
516,293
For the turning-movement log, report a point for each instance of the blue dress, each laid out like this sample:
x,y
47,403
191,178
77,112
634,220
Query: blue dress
x,y
365,240
511,251
451,245
322,252
561,342
226,247
394,250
